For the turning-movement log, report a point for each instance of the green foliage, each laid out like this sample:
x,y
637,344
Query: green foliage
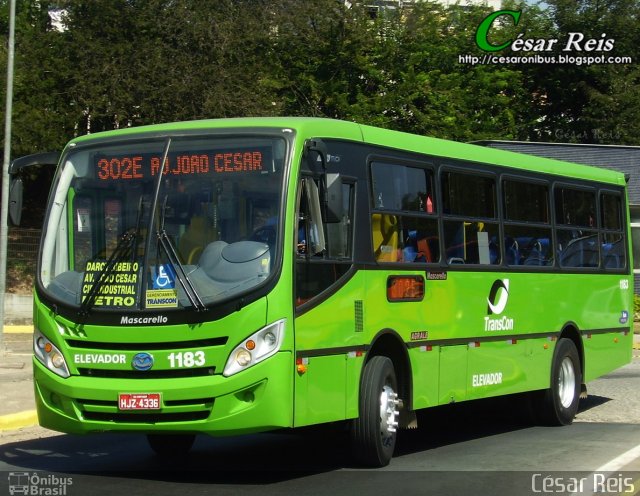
x,y
636,307
131,62
590,103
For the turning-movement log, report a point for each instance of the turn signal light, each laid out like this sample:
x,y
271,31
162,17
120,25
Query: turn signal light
x,y
301,365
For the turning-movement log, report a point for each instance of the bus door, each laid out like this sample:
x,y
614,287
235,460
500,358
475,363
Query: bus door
x,y
325,297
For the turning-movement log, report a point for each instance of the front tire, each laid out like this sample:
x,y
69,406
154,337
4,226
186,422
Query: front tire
x,y
558,405
373,433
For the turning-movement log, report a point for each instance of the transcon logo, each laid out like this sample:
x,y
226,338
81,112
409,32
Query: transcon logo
x,y
158,319
497,302
498,299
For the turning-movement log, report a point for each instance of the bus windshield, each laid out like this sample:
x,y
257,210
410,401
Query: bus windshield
x,y
162,223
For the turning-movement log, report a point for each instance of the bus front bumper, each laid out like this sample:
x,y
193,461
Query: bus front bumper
x,y
257,399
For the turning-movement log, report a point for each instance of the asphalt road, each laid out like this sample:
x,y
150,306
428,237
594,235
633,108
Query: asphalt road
x,y
477,448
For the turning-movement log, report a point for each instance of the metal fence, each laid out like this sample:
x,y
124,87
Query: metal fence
x,y
22,253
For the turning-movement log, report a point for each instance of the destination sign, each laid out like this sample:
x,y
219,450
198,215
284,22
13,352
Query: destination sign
x,y
117,288
143,166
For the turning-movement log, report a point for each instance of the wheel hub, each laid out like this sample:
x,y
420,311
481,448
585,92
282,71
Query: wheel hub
x,y
388,412
566,383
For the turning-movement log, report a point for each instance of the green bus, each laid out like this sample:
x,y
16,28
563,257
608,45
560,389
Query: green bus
x,y
243,275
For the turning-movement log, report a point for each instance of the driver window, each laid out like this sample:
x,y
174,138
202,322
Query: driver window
x,y
323,248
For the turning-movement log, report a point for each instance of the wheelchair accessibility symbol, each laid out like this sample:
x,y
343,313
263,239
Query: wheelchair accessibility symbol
x,y
165,278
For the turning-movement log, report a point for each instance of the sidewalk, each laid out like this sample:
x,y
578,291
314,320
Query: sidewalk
x,y
17,404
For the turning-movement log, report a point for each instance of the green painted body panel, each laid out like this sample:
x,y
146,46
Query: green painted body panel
x,y
456,350
259,398
453,313
330,325
606,352
452,384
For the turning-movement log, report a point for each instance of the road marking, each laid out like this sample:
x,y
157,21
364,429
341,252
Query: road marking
x,y
621,461
613,465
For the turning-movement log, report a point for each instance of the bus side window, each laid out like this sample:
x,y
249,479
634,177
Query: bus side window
x,y
578,244
471,230
613,247
527,227
385,237
404,227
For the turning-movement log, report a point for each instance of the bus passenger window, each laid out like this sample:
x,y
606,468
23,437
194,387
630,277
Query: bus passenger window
x,y
471,231
578,244
613,247
527,230
575,207
402,188
471,243
385,237
578,248
403,227
528,245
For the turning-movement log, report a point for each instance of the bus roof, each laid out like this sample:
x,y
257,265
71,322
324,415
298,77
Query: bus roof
x,y
331,128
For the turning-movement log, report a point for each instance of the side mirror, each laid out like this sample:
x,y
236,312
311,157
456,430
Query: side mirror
x,y
15,201
16,186
47,158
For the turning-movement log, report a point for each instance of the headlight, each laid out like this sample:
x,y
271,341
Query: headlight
x,y
256,348
49,355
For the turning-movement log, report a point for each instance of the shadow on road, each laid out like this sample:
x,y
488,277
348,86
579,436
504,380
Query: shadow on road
x,y
259,458
592,401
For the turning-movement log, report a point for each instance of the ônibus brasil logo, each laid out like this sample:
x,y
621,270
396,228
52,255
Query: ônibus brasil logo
x,y
497,302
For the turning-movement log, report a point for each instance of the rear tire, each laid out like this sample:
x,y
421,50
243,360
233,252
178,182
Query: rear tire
x,y
558,405
171,445
373,433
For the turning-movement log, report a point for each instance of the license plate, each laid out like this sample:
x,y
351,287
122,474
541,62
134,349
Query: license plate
x,y
139,401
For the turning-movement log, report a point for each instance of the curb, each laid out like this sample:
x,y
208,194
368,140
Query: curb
x,y
19,420
18,329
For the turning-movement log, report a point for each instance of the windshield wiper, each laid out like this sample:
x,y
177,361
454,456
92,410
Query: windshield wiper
x,y
181,274
121,251
164,241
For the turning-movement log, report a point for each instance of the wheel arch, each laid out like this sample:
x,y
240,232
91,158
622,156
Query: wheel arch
x,y
570,331
388,342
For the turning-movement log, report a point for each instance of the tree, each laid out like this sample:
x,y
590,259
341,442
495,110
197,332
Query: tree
x,y
121,63
40,118
146,61
595,103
